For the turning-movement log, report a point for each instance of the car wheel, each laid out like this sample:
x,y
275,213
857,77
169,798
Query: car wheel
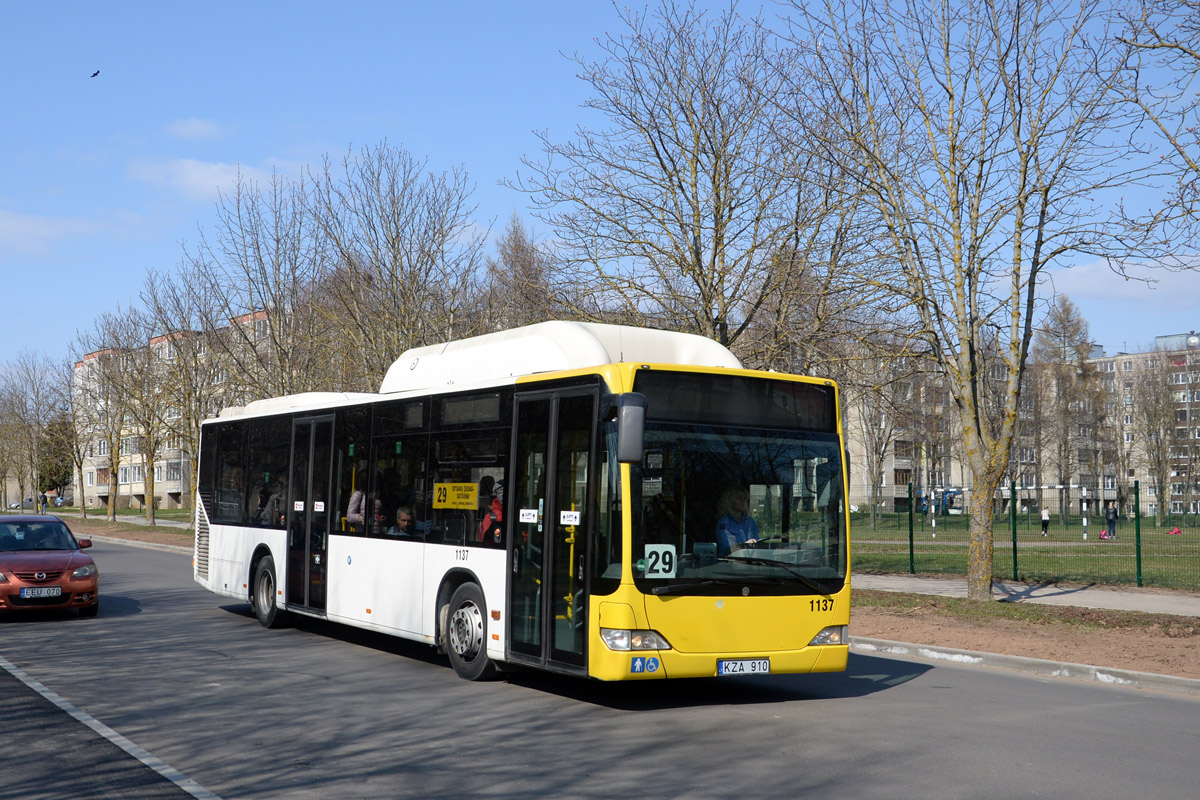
x,y
263,598
466,633
90,611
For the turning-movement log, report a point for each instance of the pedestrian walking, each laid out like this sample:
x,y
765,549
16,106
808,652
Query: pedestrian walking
x,y
1045,519
1110,518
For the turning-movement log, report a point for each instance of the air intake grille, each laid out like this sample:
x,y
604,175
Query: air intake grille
x,y
202,538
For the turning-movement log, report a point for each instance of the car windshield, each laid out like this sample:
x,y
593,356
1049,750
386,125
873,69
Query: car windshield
x,y
27,536
718,505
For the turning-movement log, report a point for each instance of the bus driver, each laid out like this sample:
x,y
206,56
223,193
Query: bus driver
x,y
735,527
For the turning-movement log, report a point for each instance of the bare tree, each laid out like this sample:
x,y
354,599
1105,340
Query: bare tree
x,y
675,209
77,434
982,132
1154,408
1069,394
260,268
101,392
12,440
404,252
188,318
30,406
520,282
1161,79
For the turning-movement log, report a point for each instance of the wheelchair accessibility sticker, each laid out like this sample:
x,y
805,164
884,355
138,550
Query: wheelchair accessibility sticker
x,y
643,664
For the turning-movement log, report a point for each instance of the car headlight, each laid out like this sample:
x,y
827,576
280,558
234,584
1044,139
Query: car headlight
x,y
618,639
834,634
86,571
2,578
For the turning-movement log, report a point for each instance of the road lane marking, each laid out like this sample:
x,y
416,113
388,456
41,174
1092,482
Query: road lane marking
x,y
153,762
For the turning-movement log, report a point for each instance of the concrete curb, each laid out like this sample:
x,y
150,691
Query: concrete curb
x,y
1108,676
171,548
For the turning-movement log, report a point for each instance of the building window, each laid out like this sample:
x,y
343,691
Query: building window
x,y
91,478
1127,366
123,475
158,473
102,447
174,471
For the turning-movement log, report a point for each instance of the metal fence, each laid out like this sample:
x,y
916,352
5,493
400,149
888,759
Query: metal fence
x,y
1075,547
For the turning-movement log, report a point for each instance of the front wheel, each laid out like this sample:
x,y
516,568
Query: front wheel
x,y
466,633
263,599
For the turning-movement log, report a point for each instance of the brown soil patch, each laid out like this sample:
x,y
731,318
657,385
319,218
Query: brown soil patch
x,y
180,537
1173,649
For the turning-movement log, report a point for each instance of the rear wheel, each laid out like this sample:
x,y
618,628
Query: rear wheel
x,y
263,598
466,633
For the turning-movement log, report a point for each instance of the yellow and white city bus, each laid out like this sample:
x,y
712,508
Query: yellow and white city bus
x,y
595,500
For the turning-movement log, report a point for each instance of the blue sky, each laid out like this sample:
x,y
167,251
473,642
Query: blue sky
x,y
103,178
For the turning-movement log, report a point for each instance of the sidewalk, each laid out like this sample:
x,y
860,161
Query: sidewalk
x,y
1115,599
132,519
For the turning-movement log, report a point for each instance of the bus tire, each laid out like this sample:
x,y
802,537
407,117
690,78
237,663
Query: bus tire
x,y
263,597
466,633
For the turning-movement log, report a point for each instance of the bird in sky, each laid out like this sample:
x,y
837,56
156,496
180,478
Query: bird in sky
x,y
94,74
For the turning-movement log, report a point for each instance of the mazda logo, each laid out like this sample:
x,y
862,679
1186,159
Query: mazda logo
x,y
41,576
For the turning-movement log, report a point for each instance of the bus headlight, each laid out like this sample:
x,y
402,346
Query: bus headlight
x,y
618,639
834,634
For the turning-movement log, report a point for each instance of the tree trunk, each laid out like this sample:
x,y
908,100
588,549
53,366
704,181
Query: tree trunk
x,y
982,545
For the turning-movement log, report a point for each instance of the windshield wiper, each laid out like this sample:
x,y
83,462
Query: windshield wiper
x,y
770,562
677,588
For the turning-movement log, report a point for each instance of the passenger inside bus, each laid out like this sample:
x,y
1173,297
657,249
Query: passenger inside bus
x,y
355,509
491,529
735,527
404,523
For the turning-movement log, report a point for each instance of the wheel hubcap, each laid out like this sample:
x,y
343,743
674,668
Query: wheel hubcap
x,y
266,593
466,631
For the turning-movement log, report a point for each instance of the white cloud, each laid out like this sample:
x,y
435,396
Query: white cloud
x,y
195,180
1146,287
194,129
1126,314
28,234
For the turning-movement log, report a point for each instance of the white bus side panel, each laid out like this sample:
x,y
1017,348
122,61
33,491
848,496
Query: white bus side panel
x,y
378,583
230,549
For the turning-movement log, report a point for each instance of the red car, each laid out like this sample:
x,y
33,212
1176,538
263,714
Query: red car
x,y
43,566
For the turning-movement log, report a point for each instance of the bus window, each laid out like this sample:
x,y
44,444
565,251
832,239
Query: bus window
x,y
468,489
268,449
351,461
398,482
231,474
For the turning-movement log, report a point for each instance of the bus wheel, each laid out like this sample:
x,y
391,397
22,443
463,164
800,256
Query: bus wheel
x,y
263,599
466,634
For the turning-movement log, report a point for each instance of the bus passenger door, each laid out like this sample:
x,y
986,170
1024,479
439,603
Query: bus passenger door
x,y
309,511
552,494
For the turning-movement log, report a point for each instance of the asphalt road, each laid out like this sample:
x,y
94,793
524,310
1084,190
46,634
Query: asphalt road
x,y
321,711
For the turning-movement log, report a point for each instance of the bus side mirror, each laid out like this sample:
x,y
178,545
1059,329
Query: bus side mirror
x,y
631,427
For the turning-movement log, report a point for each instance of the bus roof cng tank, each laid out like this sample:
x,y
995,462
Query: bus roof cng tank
x,y
546,347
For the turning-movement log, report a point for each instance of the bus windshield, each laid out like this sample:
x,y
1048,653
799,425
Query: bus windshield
x,y
721,507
